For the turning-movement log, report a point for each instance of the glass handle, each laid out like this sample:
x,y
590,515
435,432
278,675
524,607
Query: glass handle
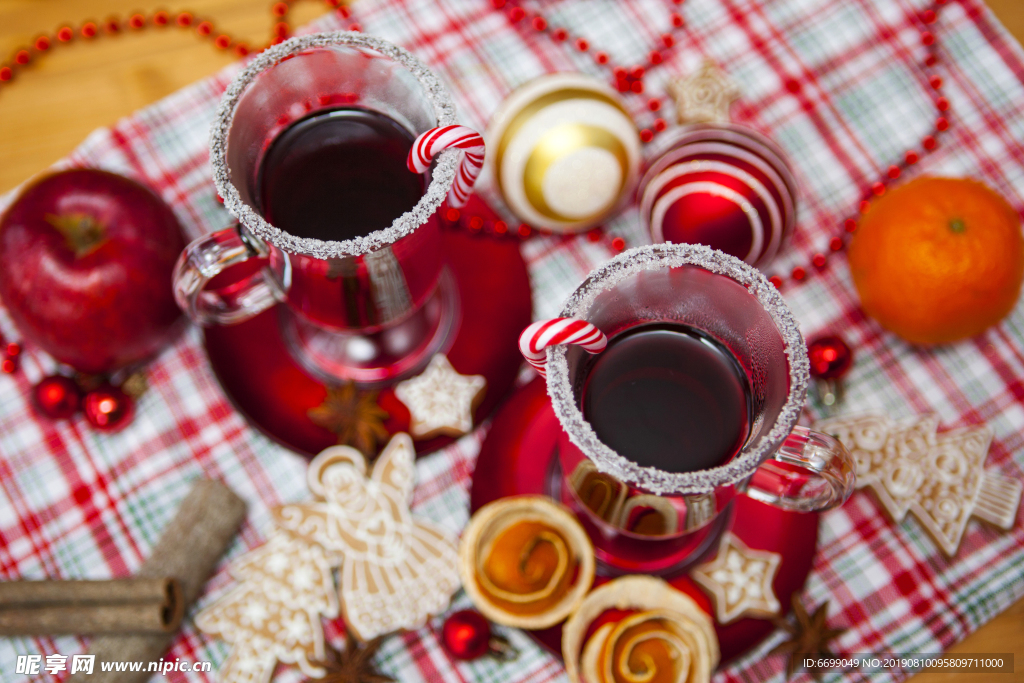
x,y
206,257
811,471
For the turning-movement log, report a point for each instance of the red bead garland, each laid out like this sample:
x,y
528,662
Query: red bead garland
x,y
627,80
160,18
929,143
12,358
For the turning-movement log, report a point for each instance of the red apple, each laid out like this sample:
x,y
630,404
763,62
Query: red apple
x,y
86,259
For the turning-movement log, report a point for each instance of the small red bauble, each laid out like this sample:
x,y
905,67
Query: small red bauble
x,y
466,635
57,397
830,357
107,408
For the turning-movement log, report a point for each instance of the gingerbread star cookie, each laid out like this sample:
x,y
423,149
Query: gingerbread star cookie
x,y
739,580
440,400
704,96
939,478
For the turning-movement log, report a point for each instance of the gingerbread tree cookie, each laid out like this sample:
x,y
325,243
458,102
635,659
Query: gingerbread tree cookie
x,y
394,570
939,478
274,613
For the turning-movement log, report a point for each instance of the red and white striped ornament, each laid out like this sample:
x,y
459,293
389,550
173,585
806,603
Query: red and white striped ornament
x,y
536,338
434,141
722,185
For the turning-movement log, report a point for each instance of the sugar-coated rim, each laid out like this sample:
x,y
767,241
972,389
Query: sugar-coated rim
x,y
442,178
656,481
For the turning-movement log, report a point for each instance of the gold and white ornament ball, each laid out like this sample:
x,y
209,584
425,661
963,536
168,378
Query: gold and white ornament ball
x,y
564,152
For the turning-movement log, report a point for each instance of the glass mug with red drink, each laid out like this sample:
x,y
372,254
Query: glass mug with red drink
x,y
309,151
693,401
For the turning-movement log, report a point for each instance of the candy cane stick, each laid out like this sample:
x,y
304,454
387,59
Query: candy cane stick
x,y
434,141
540,335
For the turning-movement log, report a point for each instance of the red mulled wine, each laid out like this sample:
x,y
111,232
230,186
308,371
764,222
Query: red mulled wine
x,y
338,174
668,396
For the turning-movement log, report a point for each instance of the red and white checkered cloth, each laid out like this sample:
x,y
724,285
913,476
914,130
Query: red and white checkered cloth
x,y
835,83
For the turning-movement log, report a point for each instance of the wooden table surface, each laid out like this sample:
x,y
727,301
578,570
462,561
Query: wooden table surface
x,y
53,106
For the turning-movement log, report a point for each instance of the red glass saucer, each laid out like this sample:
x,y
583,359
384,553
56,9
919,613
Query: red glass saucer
x,y
516,458
274,393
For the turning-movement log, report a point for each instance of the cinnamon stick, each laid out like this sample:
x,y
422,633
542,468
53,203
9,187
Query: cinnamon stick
x,y
188,550
14,593
117,606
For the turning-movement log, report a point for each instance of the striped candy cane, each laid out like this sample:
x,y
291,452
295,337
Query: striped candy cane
x,y
434,141
540,335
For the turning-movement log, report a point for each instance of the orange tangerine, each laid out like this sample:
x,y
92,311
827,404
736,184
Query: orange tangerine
x,y
938,259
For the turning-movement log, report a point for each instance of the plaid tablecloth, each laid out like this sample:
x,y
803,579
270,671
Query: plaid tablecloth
x,y
834,83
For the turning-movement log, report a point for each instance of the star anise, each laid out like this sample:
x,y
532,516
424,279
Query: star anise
x,y
810,636
354,664
354,416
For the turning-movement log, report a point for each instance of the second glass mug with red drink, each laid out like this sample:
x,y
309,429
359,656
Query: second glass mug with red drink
x,y
694,401
309,152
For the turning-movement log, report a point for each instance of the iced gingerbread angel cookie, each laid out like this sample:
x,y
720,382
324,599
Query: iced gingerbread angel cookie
x,y
394,569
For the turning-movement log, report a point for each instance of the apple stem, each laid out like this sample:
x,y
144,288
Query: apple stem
x,y
82,233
